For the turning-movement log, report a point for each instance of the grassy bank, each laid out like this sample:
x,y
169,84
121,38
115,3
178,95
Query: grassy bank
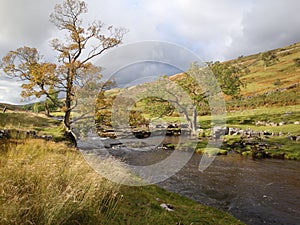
x,y
276,146
48,183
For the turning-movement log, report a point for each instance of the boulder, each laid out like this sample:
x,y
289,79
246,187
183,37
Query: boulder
x,y
292,138
4,134
217,132
141,134
267,132
233,131
260,123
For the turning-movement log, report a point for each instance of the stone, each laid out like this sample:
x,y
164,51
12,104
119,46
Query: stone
x,y
292,138
260,123
222,152
233,131
167,207
217,132
185,125
296,122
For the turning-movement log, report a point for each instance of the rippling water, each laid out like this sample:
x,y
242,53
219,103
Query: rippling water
x,y
256,192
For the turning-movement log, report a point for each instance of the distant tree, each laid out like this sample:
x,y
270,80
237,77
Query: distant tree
x,y
269,58
51,105
198,94
157,107
73,69
38,107
228,77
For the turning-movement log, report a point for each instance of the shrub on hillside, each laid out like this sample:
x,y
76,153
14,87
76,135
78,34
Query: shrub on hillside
x,y
297,62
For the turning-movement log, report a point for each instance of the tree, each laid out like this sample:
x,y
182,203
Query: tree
x,y
51,105
269,58
74,69
199,91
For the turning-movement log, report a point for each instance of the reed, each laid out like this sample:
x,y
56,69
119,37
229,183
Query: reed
x,y
49,183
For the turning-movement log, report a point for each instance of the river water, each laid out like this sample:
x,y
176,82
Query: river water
x,y
257,192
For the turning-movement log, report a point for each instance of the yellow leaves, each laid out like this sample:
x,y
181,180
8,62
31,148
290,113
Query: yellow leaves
x,y
64,109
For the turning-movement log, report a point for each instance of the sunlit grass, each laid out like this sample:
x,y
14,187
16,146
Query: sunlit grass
x,y
49,183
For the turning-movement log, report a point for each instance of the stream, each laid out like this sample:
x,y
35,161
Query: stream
x,y
265,191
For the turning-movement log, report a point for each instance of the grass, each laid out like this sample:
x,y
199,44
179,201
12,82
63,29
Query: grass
x,y
277,147
141,205
261,79
31,121
246,119
48,183
283,146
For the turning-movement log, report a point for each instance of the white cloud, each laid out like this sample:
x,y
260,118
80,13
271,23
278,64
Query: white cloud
x,y
9,91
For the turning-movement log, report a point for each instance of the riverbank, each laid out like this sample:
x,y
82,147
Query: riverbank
x,y
42,182
272,132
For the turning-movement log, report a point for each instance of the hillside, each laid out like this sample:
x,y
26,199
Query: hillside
x,y
281,75
10,107
284,74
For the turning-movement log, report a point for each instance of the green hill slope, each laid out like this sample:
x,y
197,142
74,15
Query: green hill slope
x,y
283,74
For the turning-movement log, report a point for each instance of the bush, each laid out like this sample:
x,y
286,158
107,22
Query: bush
x,y
297,61
277,82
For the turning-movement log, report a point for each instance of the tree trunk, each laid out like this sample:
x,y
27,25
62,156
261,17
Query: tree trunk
x,y
67,119
192,121
67,123
47,111
68,105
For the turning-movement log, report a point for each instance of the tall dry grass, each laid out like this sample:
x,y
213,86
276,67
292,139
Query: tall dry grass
x,y
49,183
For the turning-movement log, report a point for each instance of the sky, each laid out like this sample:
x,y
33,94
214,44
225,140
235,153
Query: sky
x,y
213,30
